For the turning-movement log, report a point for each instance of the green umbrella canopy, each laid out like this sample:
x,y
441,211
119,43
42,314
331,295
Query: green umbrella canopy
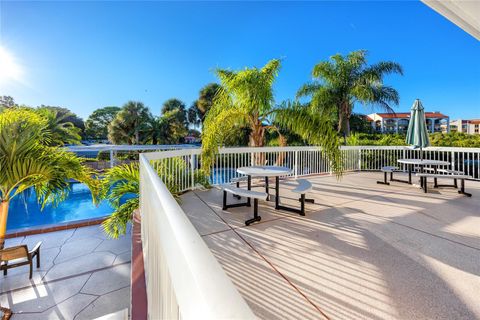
x,y
417,133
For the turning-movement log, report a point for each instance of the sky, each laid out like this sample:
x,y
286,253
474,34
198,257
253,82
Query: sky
x,y
87,55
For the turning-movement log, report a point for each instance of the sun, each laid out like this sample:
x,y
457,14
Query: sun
x,y
10,70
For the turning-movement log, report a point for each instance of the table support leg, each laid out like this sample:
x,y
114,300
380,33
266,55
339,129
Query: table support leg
x,y
249,187
266,188
277,192
410,174
256,217
462,189
422,179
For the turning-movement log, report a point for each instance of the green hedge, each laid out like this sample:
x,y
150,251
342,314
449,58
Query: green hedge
x,y
453,139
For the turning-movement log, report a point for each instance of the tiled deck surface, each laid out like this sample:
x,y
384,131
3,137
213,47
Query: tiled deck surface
x,y
363,251
83,275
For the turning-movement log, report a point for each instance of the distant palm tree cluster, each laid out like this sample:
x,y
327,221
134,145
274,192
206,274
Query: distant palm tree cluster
x,y
133,123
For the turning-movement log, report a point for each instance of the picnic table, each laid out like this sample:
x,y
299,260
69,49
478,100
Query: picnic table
x,y
267,172
420,163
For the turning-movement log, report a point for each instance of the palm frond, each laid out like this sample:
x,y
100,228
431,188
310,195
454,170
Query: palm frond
x,y
116,224
312,127
215,130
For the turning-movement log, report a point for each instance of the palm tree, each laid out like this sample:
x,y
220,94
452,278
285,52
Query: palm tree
x,y
245,99
122,189
131,124
345,80
205,100
61,131
27,162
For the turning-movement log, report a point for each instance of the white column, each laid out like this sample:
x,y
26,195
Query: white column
x,y
396,126
433,125
448,125
382,126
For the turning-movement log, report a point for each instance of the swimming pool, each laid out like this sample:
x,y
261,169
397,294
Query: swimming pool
x,y
24,212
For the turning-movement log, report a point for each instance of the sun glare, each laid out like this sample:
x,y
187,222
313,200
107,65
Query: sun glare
x,y
10,70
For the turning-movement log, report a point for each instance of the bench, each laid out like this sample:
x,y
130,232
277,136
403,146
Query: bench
x,y
461,177
303,186
386,170
227,188
237,181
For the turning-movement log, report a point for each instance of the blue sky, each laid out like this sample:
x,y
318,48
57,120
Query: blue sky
x,y
86,55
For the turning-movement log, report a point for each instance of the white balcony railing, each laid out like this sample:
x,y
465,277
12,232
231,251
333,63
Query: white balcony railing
x,y
183,278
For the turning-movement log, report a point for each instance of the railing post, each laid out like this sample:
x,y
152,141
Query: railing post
x,y
112,161
295,164
192,169
403,157
360,159
453,161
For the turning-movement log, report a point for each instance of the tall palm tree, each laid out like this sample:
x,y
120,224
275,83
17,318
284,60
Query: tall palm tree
x,y
345,80
131,124
245,99
206,98
27,162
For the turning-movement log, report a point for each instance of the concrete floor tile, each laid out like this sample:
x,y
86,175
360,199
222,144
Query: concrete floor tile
x,y
90,232
62,311
113,302
50,239
41,297
78,248
86,263
105,281
20,280
122,258
116,246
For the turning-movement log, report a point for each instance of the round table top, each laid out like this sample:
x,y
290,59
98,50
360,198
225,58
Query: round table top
x,y
425,162
264,171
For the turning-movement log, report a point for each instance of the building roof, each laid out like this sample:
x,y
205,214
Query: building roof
x,y
398,115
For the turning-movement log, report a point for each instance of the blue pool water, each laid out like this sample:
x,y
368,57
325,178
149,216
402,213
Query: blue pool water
x,y
24,211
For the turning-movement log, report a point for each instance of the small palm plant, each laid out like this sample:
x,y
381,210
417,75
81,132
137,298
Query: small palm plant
x,y
26,161
122,189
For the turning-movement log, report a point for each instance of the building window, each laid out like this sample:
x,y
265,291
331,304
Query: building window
x,y
476,128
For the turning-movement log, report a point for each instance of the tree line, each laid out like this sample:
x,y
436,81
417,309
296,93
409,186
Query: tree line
x,y
241,108
132,123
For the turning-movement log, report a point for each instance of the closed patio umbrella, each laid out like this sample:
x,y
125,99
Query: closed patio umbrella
x,y
417,133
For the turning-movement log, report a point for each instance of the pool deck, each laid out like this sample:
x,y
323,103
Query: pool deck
x,y
363,250
83,275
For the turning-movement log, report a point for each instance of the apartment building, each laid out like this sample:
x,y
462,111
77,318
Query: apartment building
x,y
471,126
398,122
